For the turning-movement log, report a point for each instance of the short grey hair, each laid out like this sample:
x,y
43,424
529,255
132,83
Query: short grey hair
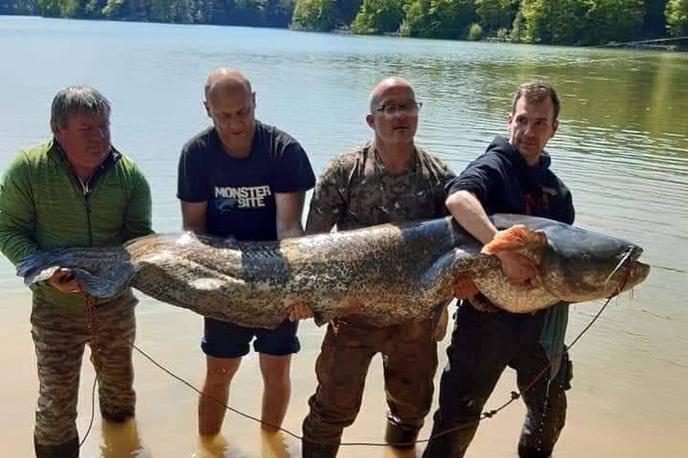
x,y
76,99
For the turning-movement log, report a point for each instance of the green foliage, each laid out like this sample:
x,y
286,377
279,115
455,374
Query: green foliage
x,y
437,18
517,28
577,22
378,16
17,6
314,15
345,11
653,23
496,14
269,13
415,18
611,20
49,8
553,21
677,17
475,32
277,13
93,9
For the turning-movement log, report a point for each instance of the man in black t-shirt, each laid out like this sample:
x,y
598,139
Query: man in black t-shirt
x,y
512,176
244,179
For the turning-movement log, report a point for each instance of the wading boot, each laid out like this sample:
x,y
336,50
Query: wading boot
x,y
117,417
532,452
69,449
313,450
401,437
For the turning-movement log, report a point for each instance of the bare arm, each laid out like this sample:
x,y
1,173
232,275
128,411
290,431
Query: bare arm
x,y
289,208
470,214
194,216
467,210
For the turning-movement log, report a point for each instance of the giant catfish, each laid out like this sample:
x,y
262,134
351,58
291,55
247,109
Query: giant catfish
x,y
396,272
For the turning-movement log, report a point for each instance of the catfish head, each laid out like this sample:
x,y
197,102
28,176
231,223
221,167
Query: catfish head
x,y
574,264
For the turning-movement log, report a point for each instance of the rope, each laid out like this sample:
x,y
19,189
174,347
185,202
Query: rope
x,y
485,415
93,324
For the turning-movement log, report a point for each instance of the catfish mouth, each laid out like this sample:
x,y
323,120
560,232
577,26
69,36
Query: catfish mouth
x,y
620,276
629,272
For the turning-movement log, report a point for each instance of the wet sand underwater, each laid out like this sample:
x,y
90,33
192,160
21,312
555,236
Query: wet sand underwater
x,y
602,420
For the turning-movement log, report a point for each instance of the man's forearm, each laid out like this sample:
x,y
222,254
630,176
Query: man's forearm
x,y
287,232
16,245
470,214
194,216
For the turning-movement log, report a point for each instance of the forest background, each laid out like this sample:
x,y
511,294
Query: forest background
x,y
562,22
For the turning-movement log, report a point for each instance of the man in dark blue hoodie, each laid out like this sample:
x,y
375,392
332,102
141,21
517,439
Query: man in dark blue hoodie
x,y
512,176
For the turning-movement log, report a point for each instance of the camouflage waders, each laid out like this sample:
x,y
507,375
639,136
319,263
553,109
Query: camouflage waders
x,y
59,337
409,356
355,190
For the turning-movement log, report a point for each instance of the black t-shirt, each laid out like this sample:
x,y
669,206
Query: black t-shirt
x,y
504,183
241,192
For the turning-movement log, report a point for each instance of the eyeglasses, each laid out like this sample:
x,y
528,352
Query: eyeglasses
x,y
391,109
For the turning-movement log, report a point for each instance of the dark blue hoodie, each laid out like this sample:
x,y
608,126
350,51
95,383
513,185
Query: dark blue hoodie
x,y
504,183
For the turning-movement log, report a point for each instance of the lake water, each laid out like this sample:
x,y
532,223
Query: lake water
x,y
622,148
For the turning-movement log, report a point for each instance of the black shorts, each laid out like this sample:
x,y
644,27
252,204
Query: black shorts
x,y
222,339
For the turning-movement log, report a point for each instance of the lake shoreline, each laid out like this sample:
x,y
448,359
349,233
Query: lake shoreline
x,y
634,45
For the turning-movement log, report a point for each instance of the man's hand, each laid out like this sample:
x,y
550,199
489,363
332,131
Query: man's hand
x,y
301,311
64,281
464,288
517,268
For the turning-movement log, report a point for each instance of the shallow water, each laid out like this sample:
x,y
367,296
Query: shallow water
x,y
622,148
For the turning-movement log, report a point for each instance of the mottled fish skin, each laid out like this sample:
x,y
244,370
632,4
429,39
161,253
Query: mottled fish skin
x,y
395,272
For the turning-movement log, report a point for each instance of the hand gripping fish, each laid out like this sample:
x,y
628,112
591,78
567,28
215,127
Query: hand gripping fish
x,y
396,272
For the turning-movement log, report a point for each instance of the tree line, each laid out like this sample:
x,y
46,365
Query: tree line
x,y
257,13
570,22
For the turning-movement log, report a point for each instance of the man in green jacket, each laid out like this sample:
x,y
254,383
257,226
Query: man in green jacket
x,y
75,190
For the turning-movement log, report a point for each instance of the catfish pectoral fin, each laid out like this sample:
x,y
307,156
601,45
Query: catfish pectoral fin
x,y
517,237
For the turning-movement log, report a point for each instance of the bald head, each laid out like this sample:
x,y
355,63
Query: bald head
x,y
384,87
226,79
230,103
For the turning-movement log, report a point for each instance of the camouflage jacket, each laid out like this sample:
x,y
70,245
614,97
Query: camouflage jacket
x,y
356,191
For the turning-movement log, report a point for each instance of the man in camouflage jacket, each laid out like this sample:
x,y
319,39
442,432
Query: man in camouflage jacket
x,y
389,179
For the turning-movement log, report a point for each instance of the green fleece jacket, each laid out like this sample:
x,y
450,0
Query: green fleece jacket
x,y
44,205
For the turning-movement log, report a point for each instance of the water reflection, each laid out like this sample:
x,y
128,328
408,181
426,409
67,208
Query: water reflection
x,y
397,453
212,447
273,444
121,440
